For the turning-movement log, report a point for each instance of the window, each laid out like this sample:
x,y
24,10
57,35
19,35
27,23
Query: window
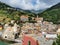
x,y
5,36
29,43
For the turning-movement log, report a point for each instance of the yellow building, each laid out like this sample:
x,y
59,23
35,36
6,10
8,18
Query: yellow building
x,y
58,31
1,28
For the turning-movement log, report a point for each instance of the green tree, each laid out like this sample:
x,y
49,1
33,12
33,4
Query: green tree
x,y
54,43
57,42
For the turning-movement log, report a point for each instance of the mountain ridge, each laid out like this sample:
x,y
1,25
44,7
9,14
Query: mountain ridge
x,y
51,14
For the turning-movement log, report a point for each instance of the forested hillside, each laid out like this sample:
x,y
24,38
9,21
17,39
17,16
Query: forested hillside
x,y
52,14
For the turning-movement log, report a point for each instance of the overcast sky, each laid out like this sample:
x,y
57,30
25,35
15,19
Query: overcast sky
x,y
31,4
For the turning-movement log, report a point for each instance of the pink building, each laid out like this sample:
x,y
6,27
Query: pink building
x,y
28,40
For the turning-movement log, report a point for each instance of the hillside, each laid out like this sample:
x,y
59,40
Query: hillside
x,y
7,13
52,14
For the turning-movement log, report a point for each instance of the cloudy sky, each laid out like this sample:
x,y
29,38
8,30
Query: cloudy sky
x,y
31,4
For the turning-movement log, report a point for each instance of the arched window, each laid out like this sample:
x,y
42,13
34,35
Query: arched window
x,y
29,43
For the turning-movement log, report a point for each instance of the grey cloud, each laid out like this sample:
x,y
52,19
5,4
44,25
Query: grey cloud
x,y
41,4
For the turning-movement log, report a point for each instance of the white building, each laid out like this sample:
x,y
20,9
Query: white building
x,y
8,34
51,36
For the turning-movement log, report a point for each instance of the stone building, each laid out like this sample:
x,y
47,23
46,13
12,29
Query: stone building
x,y
24,18
11,32
39,19
8,34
